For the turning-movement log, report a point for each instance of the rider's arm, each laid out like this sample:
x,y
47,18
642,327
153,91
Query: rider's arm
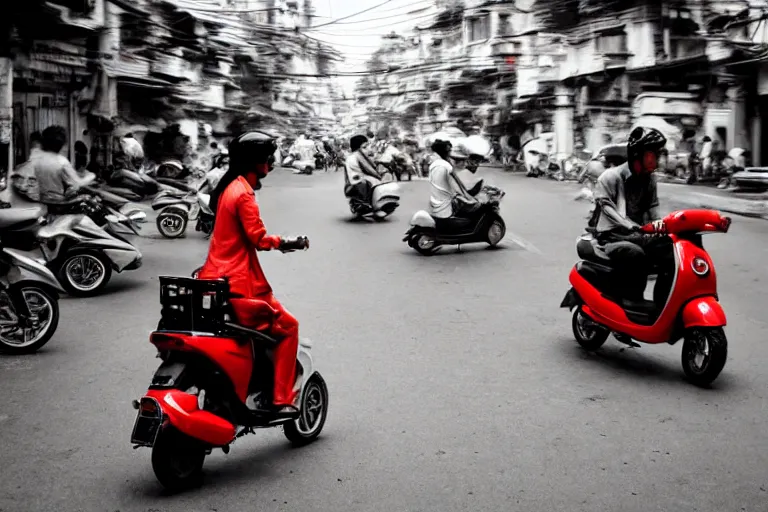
x,y
653,206
367,168
606,196
458,187
69,179
253,226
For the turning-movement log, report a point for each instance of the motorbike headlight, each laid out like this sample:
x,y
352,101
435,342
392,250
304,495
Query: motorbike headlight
x,y
111,218
700,267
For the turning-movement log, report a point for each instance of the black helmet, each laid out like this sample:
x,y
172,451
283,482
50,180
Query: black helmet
x,y
251,148
442,148
644,143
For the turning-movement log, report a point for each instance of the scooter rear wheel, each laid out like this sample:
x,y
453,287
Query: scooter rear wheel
x,y
424,244
177,460
172,222
84,273
590,335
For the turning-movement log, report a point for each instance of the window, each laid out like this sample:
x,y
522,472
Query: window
x,y
504,28
611,42
479,29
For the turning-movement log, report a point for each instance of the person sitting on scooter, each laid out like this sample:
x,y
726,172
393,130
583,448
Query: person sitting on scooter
x,y
360,175
625,199
238,234
448,196
57,180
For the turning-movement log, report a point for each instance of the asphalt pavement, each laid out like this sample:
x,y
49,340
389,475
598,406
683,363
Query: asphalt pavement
x,y
455,383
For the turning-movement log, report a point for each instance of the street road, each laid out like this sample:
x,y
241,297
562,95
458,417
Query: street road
x,y
455,382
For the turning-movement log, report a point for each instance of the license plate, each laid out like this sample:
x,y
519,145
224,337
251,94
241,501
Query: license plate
x,y
148,423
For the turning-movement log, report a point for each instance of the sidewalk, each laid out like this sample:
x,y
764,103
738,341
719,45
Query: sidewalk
x,y
752,205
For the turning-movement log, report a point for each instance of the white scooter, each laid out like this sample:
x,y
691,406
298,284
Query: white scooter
x,y
80,253
384,201
177,208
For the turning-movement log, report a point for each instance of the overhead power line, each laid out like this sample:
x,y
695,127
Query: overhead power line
x,y
353,15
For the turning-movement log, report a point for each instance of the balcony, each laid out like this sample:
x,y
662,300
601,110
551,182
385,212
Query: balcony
x,y
616,60
168,66
235,98
84,14
206,95
686,49
549,74
506,48
127,66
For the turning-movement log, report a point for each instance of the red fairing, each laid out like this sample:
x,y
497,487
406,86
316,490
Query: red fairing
x,y
182,412
687,286
694,221
704,312
233,358
238,233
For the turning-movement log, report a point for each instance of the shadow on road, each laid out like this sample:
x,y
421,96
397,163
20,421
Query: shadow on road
x,y
246,468
618,361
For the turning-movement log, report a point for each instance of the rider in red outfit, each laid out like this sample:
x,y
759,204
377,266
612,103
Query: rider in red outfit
x,y
237,234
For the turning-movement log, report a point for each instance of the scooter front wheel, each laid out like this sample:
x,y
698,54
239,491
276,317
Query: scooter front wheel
x,y
704,354
496,231
177,460
590,335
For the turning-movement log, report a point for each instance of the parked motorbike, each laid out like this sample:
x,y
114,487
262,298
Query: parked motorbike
x,y
138,182
170,169
178,208
685,304
384,200
80,253
215,382
25,332
427,233
105,216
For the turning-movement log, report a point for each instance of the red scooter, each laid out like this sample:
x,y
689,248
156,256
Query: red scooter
x,y
215,382
685,301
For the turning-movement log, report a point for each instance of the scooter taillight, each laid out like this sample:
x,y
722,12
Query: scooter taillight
x,y
157,338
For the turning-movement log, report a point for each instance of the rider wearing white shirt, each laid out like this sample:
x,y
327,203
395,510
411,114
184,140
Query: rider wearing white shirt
x,y
445,185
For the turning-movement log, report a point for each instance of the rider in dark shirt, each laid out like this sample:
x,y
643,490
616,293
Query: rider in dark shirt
x,y
625,199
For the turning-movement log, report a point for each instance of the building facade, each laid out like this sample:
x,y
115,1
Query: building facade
x,y
103,68
586,70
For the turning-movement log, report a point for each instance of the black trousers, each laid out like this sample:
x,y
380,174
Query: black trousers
x,y
634,256
362,190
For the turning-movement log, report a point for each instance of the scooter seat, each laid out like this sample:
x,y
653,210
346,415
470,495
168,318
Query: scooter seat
x,y
455,224
644,306
17,218
589,250
254,314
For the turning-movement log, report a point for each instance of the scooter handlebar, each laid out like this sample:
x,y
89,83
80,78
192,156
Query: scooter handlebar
x,y
653,228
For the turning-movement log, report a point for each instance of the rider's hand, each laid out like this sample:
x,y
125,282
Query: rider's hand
x,y
293,244
659,227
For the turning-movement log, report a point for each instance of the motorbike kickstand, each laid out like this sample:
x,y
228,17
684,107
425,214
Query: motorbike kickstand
x,y
626,340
